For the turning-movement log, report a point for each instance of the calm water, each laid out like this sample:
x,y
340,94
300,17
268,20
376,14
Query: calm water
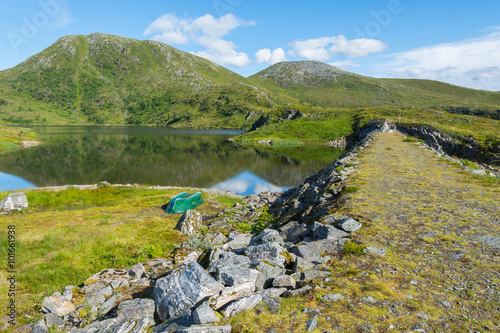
x,y
154,156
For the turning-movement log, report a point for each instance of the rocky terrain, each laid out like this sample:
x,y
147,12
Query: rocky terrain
x,y
363,245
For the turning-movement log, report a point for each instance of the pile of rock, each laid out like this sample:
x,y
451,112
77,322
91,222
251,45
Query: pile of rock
x,y
340,143
193,295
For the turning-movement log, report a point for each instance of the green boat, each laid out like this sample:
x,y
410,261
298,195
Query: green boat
x,y
184,201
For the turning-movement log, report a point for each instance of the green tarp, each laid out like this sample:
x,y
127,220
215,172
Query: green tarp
x,y
184,201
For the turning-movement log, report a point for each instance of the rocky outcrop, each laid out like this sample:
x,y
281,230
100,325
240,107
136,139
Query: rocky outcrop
x,y
452,144
13,202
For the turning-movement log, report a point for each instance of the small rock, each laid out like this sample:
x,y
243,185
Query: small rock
x,y
273,304
205,315
242,304
445,304
284,281
332,298
136,309
427,235
137,271
375,250
311,325
302,265
267,236
492,241
369,299
413,282
190,223
322,231
423,316
40,327
206,329
53,320
55,305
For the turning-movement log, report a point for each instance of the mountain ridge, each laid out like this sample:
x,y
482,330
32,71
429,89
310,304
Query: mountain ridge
x,y
114,80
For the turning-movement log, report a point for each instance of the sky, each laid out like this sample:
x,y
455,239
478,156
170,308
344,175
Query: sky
x,y
452,41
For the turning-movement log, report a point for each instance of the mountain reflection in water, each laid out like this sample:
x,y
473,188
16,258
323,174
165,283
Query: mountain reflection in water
x,y
159,156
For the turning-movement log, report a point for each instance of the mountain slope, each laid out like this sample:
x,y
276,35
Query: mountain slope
x,y
113,80
321,84
110,79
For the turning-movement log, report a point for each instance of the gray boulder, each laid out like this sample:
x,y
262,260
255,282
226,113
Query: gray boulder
x,y
235,275
190,223
12,202
325,231
40,327
294,232
136,271
314,252
108,305
273,253
237,241
175,324
242,304
136,309
284,281
302,265
228,259
267,236
205,315
183,289
56,305
116,325
53,320
347,224
103,278
207,329
273,304
267,273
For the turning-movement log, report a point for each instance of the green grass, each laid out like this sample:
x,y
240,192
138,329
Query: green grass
x,y
11,137
322,128
67,236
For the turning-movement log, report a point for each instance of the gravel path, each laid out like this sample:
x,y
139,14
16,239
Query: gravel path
x,y
439,227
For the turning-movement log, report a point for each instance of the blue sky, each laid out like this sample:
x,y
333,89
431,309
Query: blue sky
x,y
451,41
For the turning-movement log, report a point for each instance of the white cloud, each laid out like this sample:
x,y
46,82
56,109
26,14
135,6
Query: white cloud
x,y
346,65
357,47
233,185
169,29
471,62
325,48
64,18
206,31
271,57
268,187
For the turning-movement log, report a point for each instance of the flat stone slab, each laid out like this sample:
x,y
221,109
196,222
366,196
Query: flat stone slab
x,y
108,275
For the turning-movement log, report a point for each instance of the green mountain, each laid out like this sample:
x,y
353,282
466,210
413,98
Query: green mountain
x,y
108,79
316,83
105,79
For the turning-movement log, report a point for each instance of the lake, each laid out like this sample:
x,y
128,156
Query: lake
x,y
76,155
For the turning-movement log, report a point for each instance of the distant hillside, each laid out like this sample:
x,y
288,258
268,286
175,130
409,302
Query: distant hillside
x,y
112,80
108,79
324,85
